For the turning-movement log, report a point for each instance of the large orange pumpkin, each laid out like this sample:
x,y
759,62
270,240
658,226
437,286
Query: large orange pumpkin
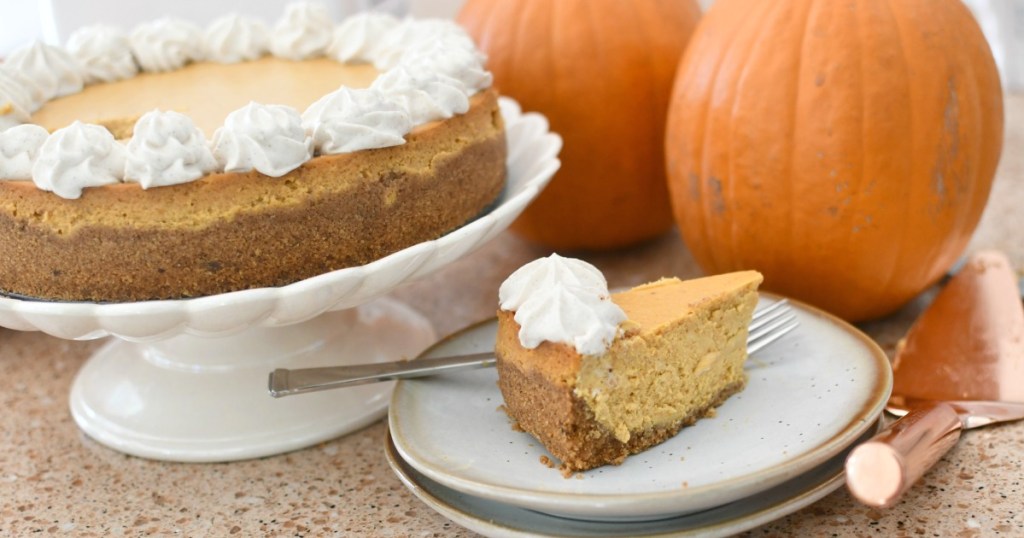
x,y
602,72
844,149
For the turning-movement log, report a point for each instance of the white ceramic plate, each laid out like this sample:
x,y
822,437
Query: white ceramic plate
x,y
499,520
532,160
809,396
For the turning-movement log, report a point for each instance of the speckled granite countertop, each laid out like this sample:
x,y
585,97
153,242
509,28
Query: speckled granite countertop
x,y
56,481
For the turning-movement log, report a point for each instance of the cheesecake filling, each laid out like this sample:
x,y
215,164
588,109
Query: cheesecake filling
x,y
636,390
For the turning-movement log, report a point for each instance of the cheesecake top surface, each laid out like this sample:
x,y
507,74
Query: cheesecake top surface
x,y
566,301
170,103
205,91
658,303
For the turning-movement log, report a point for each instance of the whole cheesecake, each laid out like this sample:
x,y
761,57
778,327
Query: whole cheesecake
x,y
597,377
363,148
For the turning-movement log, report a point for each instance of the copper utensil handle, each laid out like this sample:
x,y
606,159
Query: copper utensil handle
x,y
880,470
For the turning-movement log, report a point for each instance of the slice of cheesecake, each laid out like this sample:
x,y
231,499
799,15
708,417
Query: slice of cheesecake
x,y
596,377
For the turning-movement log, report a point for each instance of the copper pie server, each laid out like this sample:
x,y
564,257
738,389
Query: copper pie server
x,y
960,366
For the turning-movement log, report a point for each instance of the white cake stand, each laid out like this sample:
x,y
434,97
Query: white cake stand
x,y
186,380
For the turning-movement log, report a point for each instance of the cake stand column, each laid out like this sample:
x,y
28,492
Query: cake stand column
x,y
200,399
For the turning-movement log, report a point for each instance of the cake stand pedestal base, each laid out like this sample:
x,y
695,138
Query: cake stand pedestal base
x,y
197,399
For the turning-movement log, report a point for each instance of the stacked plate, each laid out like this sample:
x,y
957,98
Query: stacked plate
x,y
772,449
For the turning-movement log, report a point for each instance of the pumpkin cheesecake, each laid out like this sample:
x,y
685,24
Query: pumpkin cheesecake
x,y
172,163
596,377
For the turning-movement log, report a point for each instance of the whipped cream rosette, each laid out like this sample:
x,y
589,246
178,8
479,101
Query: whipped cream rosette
x,y
234,38
78,156
19,147
50,70
167,149
304,32
562,300
425,95
166,44
351,120
16,103
103,52
266,138
359,38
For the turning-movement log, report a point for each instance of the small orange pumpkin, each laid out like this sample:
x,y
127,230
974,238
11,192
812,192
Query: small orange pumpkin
x,y
601,71
844,149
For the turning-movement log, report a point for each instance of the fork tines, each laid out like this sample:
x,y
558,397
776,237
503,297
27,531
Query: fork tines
x,y
769,324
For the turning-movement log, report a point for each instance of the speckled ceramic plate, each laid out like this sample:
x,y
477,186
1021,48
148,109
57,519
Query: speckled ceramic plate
x,y
809,396
499,520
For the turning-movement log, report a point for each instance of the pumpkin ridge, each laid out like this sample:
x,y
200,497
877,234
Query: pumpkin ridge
x,y
520,47
967,114
970,218
857,194
901,253
556,71
736,227
705,130
791,192
707,160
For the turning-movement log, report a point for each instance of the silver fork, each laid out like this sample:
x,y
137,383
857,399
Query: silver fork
x,y
767,325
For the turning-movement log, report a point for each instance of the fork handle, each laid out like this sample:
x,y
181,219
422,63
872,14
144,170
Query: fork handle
x,y
284,382
881,470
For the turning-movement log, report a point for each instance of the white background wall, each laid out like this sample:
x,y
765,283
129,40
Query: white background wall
x,y
21,21
19,24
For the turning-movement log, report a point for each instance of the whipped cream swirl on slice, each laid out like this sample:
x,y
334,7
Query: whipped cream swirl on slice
x,y
78,156
233,38
350,120
562,300
544,273
19,147
304,32
572,315
51,71
166,44
167,149
358,38
16,104
267,138
103,52
423,93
